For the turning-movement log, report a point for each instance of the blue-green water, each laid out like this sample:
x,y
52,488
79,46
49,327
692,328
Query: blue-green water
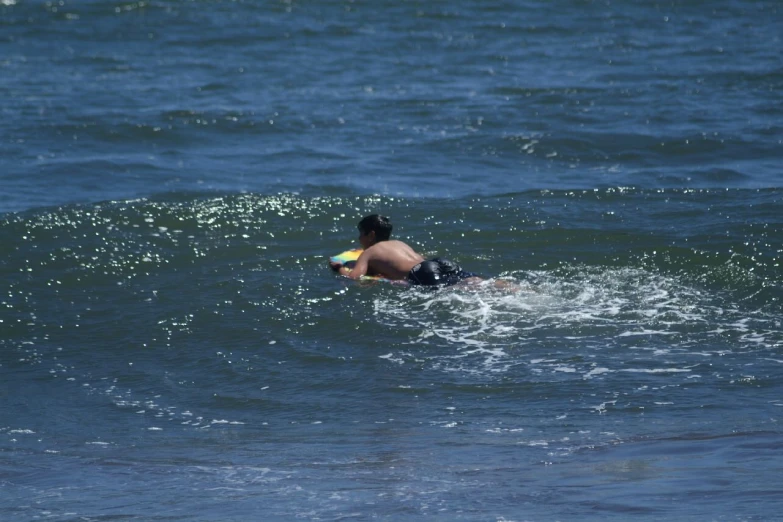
x,y
175,174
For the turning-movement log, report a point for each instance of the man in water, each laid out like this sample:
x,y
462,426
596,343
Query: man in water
x,y
397,261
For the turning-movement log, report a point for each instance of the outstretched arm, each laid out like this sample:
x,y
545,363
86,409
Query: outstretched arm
x,y
358,270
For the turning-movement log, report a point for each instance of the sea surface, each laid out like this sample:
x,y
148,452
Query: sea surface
x,y
174,175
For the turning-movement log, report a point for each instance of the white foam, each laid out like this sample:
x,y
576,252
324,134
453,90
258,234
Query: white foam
x,y
608,313
645,332
654,370
535,443
596,371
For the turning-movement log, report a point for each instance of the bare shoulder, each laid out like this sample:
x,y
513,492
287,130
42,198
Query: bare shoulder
x,y
393,259
392,245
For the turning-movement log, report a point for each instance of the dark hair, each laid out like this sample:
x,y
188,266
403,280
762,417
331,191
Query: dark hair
x,y
379,224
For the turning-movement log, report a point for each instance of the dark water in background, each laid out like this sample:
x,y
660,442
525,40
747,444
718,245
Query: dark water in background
x,y
174,174
109,100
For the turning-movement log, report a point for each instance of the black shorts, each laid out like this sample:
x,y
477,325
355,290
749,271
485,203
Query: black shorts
x,y
437,272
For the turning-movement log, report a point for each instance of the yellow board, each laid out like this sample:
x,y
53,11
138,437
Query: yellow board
x,y
347,258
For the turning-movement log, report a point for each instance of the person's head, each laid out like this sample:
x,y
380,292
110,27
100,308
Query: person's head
x,y
374,228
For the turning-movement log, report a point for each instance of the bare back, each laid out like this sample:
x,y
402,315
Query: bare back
x,y
392,259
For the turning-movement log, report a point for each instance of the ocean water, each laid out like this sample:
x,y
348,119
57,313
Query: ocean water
x,y
175,174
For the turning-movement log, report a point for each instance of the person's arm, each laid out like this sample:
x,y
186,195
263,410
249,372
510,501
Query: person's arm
x,y
358,270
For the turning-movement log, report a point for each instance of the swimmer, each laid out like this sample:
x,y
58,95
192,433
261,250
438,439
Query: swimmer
x,y
395,260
